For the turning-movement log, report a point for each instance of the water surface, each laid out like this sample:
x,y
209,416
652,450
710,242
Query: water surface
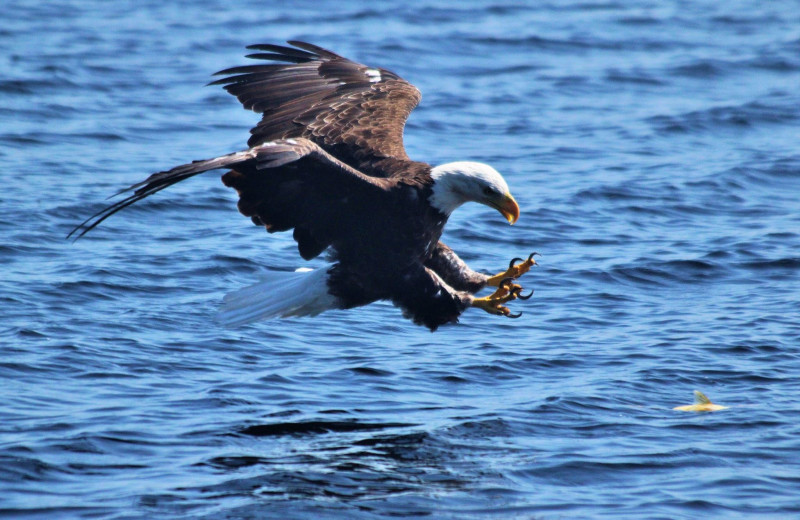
x,y
653,147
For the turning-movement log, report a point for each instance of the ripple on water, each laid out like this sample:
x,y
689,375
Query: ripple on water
x,y
654,152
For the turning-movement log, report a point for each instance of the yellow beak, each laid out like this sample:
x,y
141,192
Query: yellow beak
x,y
508,207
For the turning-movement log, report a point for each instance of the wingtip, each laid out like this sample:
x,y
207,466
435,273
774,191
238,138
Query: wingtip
x,y
320,52
72,237
300,52
82,227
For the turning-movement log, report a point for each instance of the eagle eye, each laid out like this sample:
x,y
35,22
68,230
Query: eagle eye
x,y
488,191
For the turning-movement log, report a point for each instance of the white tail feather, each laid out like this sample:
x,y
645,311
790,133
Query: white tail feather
x,y
279,294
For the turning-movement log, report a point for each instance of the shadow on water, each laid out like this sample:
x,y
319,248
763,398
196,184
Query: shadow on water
x,y
325,468
311,427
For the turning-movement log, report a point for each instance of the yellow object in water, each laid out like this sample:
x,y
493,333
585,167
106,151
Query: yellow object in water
x,y
701,404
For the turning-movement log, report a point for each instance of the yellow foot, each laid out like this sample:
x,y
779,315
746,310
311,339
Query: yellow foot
x,y
513,271
493,304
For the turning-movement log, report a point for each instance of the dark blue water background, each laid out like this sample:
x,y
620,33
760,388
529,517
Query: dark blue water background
x,y
654,147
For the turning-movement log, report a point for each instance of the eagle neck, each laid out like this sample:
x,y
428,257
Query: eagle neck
x,y
447,192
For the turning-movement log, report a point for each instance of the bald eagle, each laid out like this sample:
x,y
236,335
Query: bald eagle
x,y
327,161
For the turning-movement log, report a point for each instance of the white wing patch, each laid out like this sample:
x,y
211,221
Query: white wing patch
x,y
374,75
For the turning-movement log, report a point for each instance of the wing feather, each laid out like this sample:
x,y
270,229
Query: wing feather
x,y
271,155
353,111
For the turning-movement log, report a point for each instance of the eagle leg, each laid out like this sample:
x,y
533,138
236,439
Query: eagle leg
x,y
513,272
506,291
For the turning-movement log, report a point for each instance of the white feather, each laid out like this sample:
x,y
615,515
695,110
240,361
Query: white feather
x,y
278,295
464,181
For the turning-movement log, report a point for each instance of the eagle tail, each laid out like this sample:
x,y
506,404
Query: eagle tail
x,y
279,295
157,182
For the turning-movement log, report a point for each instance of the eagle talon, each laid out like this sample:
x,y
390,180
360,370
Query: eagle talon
x,y
514,271
507,284
514,316
493,304
524,297
512,262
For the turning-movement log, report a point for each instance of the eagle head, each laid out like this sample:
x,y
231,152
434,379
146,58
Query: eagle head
x,y
465,181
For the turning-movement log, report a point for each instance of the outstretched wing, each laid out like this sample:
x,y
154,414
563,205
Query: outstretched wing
x,y
355,112
276,187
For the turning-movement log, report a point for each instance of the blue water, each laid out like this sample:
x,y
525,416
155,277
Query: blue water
x,y
654,147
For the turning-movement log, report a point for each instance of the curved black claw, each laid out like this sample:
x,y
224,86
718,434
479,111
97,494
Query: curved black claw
x,y
514,316
524,297
514,260
532,255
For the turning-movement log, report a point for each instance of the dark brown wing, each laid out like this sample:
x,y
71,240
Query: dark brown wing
x,y
284,184
157,182
355,112
321,198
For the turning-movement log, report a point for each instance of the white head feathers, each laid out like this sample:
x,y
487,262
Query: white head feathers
x,y
465,181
